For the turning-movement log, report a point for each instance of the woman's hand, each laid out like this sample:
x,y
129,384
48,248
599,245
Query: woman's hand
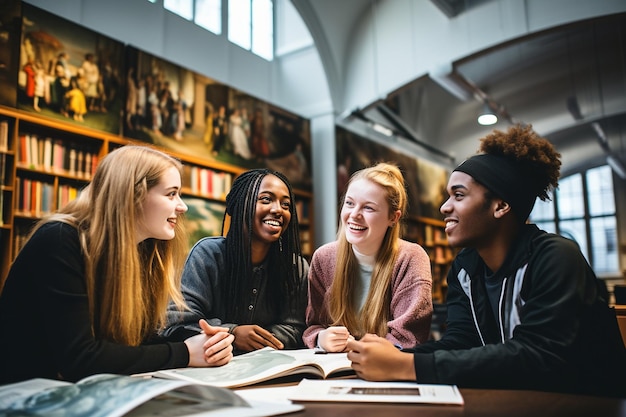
x,y
212,347
375,358
249,337
334,338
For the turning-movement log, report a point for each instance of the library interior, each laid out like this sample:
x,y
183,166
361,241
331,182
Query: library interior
x,y
328,88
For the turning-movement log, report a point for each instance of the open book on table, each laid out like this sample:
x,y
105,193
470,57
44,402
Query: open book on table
x,y
356,390
107,395
264,365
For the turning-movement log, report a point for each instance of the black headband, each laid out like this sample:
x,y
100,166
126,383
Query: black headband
x,y
504,177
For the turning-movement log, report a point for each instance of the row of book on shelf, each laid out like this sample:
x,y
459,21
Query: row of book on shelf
x,y
54,155
37,198
434,236
207,182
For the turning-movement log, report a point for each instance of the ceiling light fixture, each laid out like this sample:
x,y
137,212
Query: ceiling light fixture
x,y
384,130
487,117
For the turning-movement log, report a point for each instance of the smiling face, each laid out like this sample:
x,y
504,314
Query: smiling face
x,y
365,216
469,215
161,208
272,215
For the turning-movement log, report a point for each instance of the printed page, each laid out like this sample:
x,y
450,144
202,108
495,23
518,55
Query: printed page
x,y
356,390
329,363
260,365
19,391
114,396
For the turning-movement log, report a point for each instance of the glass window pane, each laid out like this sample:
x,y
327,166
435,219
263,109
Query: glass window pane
x,y
570,197
209,15
543,210
183,8
263,28
575,230
604,244
600,189
239,30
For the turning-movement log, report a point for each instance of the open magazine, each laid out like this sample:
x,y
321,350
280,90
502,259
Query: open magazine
x,y
107,395
264,365
355,390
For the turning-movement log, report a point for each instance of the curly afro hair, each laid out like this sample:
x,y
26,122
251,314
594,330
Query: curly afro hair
x,y
523,145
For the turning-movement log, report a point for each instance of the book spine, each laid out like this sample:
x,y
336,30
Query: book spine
x,y
4,136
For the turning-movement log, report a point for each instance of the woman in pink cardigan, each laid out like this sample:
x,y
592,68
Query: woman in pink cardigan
x,y
369,280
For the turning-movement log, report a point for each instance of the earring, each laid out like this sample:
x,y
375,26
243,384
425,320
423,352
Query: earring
x,y
280,243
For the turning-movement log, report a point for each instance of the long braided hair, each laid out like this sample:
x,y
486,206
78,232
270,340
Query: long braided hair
x,y
284,259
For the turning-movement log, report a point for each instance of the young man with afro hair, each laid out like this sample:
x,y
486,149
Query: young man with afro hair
x,y
525,309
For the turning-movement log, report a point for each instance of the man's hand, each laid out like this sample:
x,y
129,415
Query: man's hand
x,y
249,337
375,358
212,347
334,338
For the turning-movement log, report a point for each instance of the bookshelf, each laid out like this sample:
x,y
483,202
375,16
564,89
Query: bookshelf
x,y
44,163
430,234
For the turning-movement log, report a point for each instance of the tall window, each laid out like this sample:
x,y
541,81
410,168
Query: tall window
x,y
183,8
208,15
250,22
583,209
251,26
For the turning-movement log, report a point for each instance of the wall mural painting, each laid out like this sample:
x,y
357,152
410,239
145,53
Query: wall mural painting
x,y
10,29
188,113
203,218
69,72
425,181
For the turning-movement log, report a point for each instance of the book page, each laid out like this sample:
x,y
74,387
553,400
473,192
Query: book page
x,y
329,363
357,390
20,391
108,395
180,403
261,365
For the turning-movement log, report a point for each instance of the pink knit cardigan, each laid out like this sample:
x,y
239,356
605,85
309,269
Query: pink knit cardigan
x,y
411,300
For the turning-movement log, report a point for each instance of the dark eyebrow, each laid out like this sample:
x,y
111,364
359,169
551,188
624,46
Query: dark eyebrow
x,y
261,192
457,187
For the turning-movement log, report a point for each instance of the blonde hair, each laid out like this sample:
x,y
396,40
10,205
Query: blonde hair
x,y
129,285
374,315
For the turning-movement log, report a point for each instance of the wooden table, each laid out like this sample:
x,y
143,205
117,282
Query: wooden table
x,y
483,403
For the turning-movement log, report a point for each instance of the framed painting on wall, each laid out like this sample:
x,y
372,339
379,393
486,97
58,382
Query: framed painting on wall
x,y
425,181
69,72
203,218
191,114
10,29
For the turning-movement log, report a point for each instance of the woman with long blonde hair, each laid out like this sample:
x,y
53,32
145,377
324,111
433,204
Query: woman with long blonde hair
x,y
370,280
89,291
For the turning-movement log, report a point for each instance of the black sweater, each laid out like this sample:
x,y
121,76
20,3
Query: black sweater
x,y
44,318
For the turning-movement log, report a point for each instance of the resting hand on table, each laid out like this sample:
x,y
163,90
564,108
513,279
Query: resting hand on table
x,y
249,337
212,347
334,338
375,358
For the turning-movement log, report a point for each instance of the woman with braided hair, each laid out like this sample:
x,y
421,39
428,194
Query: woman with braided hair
x,y
525,309
253,280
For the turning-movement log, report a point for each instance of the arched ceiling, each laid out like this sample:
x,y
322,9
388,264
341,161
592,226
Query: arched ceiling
x,y
568,81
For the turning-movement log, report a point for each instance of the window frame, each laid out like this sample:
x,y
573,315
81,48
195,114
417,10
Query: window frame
x,y
557,220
